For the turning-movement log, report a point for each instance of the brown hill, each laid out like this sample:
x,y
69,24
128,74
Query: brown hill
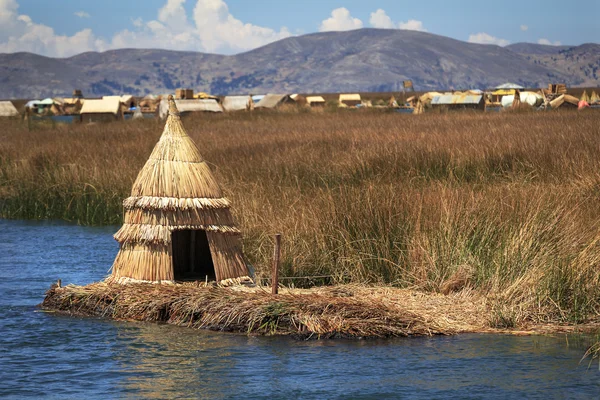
x,y
360,60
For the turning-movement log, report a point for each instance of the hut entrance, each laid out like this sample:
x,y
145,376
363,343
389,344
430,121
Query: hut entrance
x,y
191,256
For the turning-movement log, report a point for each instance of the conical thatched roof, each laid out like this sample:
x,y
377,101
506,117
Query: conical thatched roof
x,y
175,191
585,97
594,98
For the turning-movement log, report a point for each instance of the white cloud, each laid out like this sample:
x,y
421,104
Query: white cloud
x,y
81,14
211,27
549,43
380,19
524,28
485,38
340,20
21,33
217,28
412,25
137,22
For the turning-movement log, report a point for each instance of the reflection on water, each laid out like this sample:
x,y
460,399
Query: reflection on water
x,y
48,355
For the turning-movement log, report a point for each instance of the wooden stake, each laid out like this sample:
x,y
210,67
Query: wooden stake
x,y
275,271
59,283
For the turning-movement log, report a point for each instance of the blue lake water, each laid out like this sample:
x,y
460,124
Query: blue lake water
x,y
52,356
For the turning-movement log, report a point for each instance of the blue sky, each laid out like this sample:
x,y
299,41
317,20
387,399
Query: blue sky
x,y
67,27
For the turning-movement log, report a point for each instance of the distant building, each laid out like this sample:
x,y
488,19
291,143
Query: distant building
x,y
459,102
7,109
315,101
104,110
273,100
237,103
349,99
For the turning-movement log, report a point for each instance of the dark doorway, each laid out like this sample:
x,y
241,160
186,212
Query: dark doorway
x,y
191,256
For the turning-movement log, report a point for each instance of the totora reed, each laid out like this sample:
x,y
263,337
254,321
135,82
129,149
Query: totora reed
x,y
501,205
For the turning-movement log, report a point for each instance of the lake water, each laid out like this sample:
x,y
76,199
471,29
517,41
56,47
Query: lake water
x,y
53,356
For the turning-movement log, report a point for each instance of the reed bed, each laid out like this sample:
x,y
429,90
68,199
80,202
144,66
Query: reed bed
x,y
345,311
504,205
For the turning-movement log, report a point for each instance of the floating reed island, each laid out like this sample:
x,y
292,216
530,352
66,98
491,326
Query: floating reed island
x,y
180,262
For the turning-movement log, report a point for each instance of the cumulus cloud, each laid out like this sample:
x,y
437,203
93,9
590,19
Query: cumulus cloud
x,y
20,33
485,38
211,27
412,25
549,43
81,14
524,28
340,20
380,19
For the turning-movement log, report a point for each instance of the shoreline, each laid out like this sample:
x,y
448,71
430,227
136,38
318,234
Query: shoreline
x,y
346,311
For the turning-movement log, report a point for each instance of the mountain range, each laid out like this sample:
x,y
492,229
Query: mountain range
x,y
365,60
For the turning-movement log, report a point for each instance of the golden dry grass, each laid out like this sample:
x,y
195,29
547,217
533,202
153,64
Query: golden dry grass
x,y
502,204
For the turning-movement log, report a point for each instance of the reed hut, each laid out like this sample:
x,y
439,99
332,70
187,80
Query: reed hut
x,y
238,103
273,101
585,97
315,101
7,109
106,109
177,225
594,98
349,100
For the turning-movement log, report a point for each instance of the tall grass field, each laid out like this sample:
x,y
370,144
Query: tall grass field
x,y
506,205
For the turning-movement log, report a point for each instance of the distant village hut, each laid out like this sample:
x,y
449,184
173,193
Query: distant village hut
x,y
205,105
349,100
103,110
7,109
184,94
585,97
299,99
315,101
594,98
458,102
177,225
189,106
273,101
238,103
506,89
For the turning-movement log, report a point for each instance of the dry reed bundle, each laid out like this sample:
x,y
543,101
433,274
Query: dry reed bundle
x,y
175,190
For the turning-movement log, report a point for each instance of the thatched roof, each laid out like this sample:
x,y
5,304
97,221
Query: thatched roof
x,y
315,100
594,98
235,103
349,97
272,100
206,105
108,105
175,190
7,109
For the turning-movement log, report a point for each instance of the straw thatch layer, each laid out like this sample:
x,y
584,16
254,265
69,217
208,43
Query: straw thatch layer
x,y
219,218
173,203
158,234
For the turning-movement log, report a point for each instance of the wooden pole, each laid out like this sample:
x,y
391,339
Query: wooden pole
x,y
275,271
